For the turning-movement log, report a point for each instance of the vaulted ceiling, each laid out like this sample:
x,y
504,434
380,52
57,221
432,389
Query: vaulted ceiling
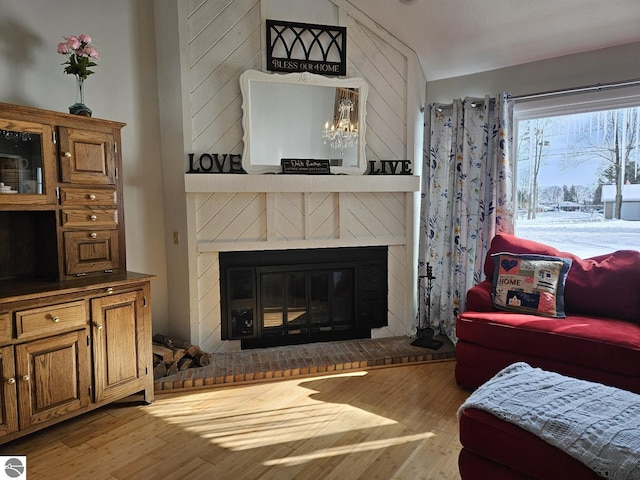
x,y
460,37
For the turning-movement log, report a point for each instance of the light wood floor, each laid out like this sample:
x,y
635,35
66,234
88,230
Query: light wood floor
x,y
386,423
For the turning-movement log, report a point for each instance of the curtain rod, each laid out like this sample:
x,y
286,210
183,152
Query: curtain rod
x,y
588,88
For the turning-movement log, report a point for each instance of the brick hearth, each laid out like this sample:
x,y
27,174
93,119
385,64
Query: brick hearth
x,y
308,359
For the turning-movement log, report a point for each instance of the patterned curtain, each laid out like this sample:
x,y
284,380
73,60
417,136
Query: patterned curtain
x,y
467,197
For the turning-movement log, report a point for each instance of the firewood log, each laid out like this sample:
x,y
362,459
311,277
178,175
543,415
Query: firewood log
x,y
185,363
178,354
202,359
170,342
160,370
172,369
163,352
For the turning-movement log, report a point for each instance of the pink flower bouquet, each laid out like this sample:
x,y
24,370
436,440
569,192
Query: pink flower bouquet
x,y
81,55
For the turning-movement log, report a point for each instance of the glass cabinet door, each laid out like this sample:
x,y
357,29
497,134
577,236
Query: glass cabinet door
x,y
24,149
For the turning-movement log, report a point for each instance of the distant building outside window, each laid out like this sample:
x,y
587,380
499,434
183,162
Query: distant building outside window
x,y
578,171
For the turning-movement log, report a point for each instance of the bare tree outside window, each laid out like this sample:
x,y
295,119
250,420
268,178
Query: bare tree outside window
x,y
611,136
534,150
564,163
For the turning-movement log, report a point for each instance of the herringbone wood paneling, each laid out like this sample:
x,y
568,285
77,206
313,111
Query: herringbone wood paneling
x,y
385,70
209,299
377,215
232,217
324,216
289,213
224,40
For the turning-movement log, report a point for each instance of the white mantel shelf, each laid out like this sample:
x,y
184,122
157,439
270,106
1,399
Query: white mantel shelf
x,y
224,182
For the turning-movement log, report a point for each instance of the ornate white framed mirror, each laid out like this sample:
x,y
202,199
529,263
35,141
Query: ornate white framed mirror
x,y
303,116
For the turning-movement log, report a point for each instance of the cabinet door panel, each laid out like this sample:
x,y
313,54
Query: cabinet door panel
x,y
118,327
53,377
8,395
87,157
93,251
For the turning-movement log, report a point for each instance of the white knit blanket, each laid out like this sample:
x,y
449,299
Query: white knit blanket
x,y
595,424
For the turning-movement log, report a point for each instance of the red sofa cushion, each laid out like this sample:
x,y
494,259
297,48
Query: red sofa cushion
x,y
587,341
479,297
603,286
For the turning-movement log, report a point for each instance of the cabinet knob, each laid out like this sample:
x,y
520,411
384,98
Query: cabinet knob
x,y
99,326
11,381
110,290
26,378
67,154
93,235
55,319
93,218
92,196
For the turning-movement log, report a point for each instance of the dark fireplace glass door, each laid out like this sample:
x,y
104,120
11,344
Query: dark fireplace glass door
x,y
306,302
272,291
332,300
320,320
284,297
343,293
241,302
296,303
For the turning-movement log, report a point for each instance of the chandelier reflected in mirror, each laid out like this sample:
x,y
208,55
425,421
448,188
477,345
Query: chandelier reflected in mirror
x,y
342,134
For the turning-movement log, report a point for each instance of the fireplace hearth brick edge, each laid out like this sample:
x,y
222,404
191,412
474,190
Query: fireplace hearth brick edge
x,y
275,363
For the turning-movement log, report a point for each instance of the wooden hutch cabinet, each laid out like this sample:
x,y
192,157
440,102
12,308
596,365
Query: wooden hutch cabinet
x,y
75,325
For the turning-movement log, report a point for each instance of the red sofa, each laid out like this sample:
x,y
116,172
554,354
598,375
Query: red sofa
x,y
599,340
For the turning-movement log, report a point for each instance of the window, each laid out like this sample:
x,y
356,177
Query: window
x,y
578,171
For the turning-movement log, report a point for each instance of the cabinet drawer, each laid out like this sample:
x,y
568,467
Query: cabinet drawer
x,y
88,196
90,218
91,251
51,319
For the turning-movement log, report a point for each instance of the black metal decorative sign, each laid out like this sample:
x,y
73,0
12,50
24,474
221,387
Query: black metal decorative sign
x,y
306,47
390,167
215,163
305,166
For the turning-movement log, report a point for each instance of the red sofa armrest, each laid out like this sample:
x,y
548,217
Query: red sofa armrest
x,y
479,298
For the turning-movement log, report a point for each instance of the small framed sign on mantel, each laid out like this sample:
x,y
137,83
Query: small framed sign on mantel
x,y
306,166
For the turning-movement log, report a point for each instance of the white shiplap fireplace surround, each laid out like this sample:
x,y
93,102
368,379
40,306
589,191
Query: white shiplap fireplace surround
x,y
229,212
269,212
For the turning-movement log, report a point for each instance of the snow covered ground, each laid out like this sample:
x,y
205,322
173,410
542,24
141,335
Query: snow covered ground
x,y
580,233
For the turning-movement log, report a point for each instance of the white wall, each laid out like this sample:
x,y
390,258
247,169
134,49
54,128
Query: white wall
x,y
600,66
123,88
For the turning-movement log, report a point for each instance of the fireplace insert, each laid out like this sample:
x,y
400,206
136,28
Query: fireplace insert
x,y
284,297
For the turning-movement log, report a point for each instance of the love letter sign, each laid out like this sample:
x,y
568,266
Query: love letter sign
x,y
215,163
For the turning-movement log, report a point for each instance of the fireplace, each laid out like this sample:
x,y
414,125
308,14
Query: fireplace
x,y
284,297
229,214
